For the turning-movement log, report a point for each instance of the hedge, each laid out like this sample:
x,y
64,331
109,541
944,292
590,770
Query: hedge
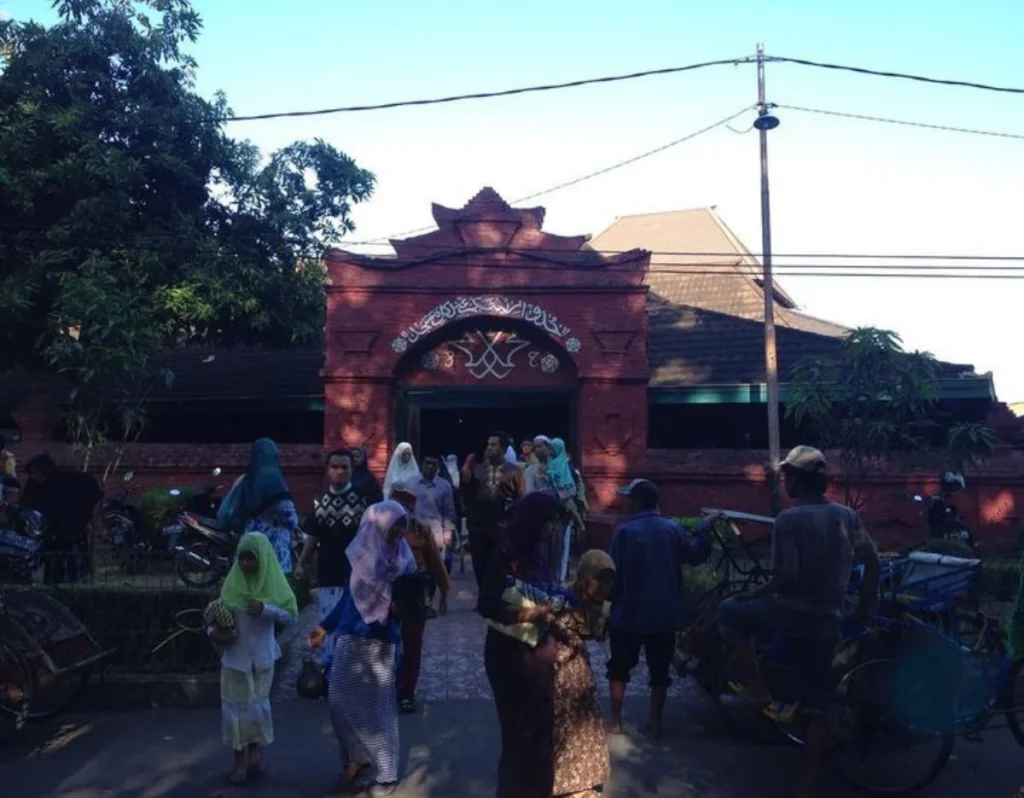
x,y
135,620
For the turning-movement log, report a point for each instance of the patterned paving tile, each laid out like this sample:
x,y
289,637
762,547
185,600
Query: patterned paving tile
x,y
452,668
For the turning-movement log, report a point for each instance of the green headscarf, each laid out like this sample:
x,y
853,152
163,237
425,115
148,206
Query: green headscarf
x,y
268,585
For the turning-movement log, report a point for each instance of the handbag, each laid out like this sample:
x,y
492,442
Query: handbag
x,y
311,683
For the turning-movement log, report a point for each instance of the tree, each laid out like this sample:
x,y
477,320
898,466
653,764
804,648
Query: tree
x,y
130,222
873,399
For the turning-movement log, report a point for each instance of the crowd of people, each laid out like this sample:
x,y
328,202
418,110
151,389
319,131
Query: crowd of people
x,y
385,552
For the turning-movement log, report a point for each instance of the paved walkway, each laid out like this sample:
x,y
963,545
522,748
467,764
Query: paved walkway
x,y
453,654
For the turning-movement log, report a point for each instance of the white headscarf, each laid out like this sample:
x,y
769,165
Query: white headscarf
x,y
398,471
510,456
376,564
451,462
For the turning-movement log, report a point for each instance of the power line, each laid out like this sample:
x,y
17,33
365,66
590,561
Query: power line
x,y
730,259
590,175
966,84
609,79
485,95
906,122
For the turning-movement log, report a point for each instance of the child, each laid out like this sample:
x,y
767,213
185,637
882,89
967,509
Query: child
x,y
582,763
258,596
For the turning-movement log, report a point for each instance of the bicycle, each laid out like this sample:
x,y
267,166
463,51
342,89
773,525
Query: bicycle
x,y
866,660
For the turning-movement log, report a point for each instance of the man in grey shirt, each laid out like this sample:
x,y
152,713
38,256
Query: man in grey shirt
x,y
815,545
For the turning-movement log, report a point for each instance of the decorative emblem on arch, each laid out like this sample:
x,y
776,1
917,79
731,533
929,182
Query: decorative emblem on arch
x,y
497,306
490,353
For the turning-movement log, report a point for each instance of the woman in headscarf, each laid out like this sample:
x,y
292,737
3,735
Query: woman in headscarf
x,y
257,596
561,481
401,469
362,696
260,502
363,480
519,654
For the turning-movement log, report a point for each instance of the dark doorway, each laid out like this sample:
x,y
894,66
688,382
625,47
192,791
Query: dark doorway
x,y
458,422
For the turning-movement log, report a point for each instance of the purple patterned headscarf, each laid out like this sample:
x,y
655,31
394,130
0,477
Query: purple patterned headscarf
x,y
376,563
527,524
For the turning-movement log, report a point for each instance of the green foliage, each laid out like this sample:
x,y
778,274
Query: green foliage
x,y
969,445
873,399
130,222
157,507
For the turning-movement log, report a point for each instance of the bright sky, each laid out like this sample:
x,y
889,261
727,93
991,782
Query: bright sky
x,y
838,185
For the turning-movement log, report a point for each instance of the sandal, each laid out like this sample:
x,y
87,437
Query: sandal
x,y
346,785
407,706
238,779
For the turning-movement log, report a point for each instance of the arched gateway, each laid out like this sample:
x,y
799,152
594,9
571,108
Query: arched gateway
x,y
488,322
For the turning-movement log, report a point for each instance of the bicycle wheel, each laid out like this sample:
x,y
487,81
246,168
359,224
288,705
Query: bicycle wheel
x,y
15,691
892,737
58,696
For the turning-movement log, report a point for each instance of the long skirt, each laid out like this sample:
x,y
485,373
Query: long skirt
x,y
327,599
522,680
581,748
245,707
363,705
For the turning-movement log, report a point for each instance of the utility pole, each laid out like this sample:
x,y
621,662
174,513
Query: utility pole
x,y
766,121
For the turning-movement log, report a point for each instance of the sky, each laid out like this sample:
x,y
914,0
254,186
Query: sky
x,y
837,185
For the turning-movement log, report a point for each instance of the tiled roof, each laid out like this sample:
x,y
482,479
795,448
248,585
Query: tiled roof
x,y
693,346
685,243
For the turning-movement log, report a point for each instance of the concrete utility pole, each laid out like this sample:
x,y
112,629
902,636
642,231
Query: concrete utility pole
x,y
765,122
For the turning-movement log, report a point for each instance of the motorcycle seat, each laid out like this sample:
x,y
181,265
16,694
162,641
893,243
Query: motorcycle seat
x,y
206,521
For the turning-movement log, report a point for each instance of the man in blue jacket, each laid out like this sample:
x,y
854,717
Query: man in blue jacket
x,y
650,551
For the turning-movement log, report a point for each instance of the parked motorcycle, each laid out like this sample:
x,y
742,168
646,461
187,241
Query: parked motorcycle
x,y
21,539
203,549
205,502
122,528
945,521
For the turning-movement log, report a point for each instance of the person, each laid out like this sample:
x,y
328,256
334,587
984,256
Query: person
x,y
647,600
363,479
526,458
67,501
337,513
488,488
535,477
450,474
410,595
519,652
815,544
401,469
435,511
259,596
261,502
561,482
582,762
8,469
362,695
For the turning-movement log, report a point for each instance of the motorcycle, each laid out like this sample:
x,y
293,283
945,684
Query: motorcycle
x,y
203,502
203,549
122,528
21,539
942,514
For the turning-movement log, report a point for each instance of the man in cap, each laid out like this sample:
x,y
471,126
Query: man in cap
x,y
815,544
649,551
535,477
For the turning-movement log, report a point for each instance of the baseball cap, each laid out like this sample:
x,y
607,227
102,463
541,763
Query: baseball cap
x,y
642,484
806,458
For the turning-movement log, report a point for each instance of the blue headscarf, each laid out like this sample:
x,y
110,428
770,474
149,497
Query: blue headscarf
x,y
261,486
559,471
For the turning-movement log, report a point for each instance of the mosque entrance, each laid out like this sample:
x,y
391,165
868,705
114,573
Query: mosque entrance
x,y
443,421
